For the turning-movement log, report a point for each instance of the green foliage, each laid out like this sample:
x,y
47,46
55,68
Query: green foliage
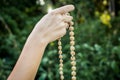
x,y
97,44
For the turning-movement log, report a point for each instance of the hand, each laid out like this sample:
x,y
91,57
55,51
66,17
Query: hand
x,y
53,25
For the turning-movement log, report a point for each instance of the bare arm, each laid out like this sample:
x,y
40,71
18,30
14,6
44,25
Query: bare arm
x,y
51,27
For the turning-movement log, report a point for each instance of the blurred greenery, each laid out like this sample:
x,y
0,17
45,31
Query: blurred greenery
x,y
97,33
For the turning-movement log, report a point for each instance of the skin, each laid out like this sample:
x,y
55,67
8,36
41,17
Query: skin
x,y
50,28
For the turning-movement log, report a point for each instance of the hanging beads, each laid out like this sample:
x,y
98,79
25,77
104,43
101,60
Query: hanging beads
x,y
61,60
72,52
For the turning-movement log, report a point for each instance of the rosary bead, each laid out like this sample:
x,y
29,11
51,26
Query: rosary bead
x,y
60,68
59,43
61,65
73,78
71,33
72,53
61,60
72,58
61,72
72,42
60,56
62,77
71,23
72,38
59,47
73,63
73,68
73,73
72,48
60,52
71,28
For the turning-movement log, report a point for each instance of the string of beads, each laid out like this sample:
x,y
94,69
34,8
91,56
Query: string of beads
x,y
72,52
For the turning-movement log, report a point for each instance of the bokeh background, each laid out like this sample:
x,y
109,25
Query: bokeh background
x,y
97,33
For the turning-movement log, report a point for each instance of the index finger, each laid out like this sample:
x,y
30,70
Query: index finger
x,y
63,10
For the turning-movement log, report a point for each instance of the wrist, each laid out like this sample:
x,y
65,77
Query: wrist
x,y
37,40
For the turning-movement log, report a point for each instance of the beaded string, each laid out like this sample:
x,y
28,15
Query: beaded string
x,y
72,52
61,60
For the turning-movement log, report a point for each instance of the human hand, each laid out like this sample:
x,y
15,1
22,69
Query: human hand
x,y
53,25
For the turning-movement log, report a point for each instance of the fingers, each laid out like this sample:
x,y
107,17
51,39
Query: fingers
x,y
63,10
64,25
67,18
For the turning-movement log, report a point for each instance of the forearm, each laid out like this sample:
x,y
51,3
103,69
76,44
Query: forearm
x,y
29,60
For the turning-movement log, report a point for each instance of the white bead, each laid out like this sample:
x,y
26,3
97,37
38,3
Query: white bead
x,y
73,63
72,42
72,38
71,28
59,43
61,60
60,52
60,68
71,23
61,65
61,72
73,68
73,78
73,73
72,48
71,33
73,58
62,77
60,56
72,53
59,47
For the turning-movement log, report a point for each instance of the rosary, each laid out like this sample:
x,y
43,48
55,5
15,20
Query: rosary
x,y
72,52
